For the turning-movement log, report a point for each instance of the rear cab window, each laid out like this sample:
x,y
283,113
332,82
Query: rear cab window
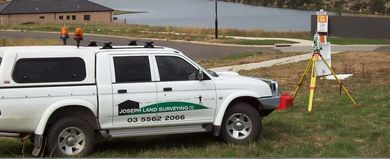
x,y
130,69
45,70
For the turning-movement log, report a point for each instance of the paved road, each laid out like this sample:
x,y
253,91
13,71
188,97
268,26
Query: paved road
x,y
193,50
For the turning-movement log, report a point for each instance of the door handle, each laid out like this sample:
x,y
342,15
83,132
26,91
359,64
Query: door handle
x,y
167,89
121,91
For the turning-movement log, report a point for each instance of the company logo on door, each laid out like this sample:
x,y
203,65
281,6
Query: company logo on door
x,y
132,107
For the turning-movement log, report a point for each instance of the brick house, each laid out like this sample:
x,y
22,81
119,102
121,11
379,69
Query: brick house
x,y
54,11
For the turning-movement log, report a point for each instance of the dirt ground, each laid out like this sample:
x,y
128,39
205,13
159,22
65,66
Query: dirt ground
x,y
244,58
367,66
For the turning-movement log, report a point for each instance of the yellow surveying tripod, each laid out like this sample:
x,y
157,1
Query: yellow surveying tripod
x,y
313,77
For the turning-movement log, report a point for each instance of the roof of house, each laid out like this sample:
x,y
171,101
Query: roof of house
x,y
50,6
2,6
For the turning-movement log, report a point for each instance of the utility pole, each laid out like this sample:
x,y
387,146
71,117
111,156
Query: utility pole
x,y
216,19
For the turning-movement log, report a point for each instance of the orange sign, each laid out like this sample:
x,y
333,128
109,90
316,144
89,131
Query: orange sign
x,y
322,18
322,23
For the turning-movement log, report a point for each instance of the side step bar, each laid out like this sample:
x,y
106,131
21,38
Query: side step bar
x,y
5,134
157,131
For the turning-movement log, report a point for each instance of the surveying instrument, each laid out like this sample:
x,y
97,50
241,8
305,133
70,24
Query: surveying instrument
x,y
317,60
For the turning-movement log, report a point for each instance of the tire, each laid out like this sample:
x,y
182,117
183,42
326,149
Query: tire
x,y
70,137
241,124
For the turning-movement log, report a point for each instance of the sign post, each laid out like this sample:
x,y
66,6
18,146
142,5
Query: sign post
x,y
216,19
322,31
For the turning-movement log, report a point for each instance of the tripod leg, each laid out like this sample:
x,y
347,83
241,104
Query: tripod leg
x,y
313,79
309,64
341,83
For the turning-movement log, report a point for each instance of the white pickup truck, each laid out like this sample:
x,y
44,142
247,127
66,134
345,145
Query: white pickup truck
x,y
67,98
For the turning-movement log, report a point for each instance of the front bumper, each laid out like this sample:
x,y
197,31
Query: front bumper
x,y
269,102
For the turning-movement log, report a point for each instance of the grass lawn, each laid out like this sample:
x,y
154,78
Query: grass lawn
x,y
190,34
356,41
333,129
145,31
252,42
28,42
120,12
244,58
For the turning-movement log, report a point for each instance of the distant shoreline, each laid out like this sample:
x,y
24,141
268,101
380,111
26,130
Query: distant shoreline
x,y
347,7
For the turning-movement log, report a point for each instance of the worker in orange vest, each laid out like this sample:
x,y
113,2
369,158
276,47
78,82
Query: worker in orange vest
x,y
78,36
64,34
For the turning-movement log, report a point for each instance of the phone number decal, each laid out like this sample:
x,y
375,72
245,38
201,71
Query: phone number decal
x,y
156,118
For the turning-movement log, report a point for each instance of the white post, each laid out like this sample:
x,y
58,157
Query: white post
x,y
322,30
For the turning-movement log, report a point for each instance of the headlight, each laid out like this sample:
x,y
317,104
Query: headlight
x,y
273,85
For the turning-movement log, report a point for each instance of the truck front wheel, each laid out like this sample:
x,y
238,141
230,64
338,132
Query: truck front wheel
x,y
241,124
70,137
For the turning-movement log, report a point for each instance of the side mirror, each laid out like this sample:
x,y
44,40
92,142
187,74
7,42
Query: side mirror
x,y
200,74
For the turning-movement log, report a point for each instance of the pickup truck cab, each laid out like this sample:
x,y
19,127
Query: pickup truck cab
x,y
66,98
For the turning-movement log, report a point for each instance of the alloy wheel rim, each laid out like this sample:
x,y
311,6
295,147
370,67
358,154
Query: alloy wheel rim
x,y
71,141
239,126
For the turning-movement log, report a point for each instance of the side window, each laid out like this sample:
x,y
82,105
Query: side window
x,y
87,17
132,69
172,68
39,70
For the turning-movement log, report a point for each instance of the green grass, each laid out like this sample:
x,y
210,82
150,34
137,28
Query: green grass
x,y
356,41
257,42
239,56
120,12
244,58
193,34
334,128
28,42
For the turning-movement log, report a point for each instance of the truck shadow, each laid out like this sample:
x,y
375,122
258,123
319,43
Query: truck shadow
x,y
134,145
273,131
157,145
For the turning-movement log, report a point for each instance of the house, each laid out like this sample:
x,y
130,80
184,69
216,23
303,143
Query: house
x,y
53,11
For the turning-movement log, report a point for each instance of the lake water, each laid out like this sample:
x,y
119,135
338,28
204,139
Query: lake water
x,y
200,13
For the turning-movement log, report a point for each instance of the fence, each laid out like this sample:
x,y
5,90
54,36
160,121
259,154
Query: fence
x,y
356,27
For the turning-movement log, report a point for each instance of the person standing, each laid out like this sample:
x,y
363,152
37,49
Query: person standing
x,y
78,36
64,34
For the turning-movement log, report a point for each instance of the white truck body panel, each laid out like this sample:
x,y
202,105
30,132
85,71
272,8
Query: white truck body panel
x,y
26,107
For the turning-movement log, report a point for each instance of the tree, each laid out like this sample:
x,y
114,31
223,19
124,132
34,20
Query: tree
x,y
339,5
377,6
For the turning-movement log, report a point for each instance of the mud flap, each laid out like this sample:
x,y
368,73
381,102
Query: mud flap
x,y
37,145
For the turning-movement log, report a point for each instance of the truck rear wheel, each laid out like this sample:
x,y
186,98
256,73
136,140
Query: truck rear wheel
x,y
70,137
241,124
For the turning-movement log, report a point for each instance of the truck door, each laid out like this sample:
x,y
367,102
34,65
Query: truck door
x,y
133,89
183,99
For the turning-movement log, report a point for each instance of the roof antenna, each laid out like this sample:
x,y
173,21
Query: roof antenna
x,y
107,45
133,43
149,44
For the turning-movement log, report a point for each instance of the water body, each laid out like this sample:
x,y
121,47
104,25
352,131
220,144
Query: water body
x,y
200,13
